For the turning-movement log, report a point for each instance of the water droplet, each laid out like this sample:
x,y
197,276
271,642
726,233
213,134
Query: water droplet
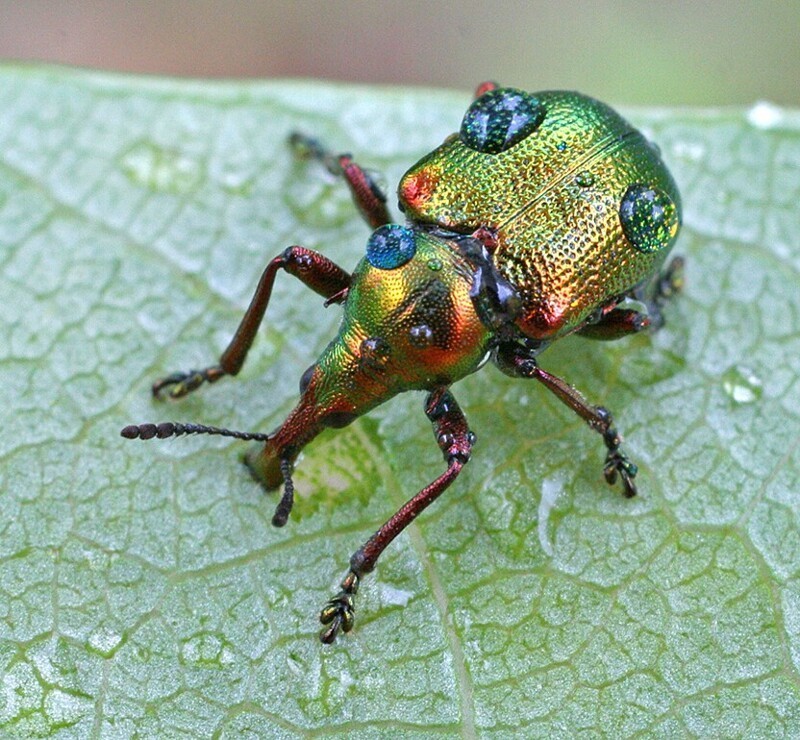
x,y
649,218
391,246
741,384
561,146
692,151
435,264
160,169
394,596
499,119
764,115
421,335
373,354
584,179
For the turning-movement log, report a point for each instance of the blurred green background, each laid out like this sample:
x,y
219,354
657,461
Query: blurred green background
x,y
671,52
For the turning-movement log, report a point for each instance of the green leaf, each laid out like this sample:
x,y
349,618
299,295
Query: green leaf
x,y
143,590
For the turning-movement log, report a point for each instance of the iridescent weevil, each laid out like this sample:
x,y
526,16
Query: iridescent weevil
x,y
546,215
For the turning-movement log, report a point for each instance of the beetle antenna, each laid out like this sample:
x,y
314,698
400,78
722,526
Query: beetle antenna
x,y
173,429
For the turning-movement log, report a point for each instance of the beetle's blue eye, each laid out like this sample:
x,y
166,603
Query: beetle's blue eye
x,y
648,217
499,119
390,246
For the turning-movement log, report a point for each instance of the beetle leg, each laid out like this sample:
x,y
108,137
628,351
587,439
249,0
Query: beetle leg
x,y
619,321
667,284
485,87
455,440
313,269
616,323
513,360
367,193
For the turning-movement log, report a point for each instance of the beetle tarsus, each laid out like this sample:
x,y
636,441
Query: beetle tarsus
x,y
284,507
617,463
667,285
339,613
671,281
306,147
182,383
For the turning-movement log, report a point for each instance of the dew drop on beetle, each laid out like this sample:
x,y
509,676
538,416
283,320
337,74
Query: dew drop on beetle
x,y
435,265
421,335
499,119
649,218
390,246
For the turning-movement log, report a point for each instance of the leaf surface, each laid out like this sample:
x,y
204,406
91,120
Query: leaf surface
x,y
143,590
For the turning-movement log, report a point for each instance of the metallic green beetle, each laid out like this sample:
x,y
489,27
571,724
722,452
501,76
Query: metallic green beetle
x,y
547,214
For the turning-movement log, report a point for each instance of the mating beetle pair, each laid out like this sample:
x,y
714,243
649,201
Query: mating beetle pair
x,y
546,215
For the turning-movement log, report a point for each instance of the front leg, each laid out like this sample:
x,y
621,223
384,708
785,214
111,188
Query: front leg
x,y
455,440
313,269
515,360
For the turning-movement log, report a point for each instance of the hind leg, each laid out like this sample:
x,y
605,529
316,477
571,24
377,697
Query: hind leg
x,y
620,321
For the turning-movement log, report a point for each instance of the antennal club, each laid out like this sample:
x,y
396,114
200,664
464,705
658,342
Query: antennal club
x,y
173,429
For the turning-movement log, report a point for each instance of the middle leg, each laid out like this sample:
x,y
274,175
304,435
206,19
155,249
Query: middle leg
x,y
514,360
621,320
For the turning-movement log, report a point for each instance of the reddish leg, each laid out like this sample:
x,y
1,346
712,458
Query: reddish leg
x,y
314,270
621,321
367,194
514,360
485,87
455,440
616,323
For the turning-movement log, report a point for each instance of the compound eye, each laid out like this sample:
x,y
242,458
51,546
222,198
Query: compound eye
x,y
499,119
